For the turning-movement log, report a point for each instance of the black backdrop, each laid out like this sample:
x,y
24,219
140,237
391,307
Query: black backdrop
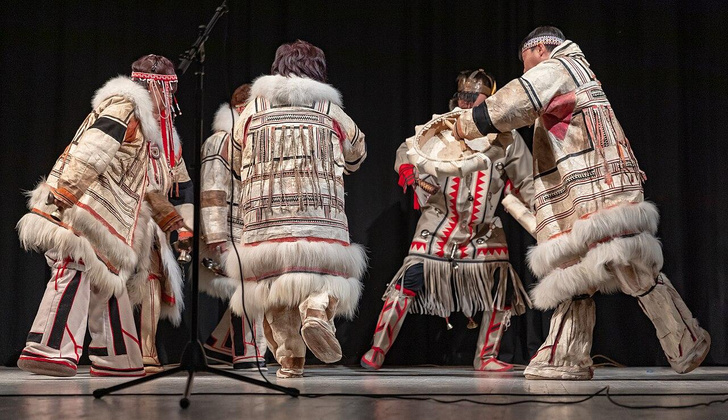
x,y
662,65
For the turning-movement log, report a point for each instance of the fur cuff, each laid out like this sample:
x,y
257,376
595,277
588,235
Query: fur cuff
x,y
175,279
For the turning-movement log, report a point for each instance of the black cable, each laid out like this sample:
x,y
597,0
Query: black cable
x,y
415,397
649,407
394,395
441,401
433,397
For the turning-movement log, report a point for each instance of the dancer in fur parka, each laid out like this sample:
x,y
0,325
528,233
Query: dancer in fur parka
x,y
234,341
458,258
594,230
299,267
97,218
155,290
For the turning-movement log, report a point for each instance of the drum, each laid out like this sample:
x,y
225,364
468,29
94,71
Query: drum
x,y
435,150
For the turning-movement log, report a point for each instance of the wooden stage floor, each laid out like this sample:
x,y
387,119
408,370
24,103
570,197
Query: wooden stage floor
x,y
24,395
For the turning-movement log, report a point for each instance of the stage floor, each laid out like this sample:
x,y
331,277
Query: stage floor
x,y
24,395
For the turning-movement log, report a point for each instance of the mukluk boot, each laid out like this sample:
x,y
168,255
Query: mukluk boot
x,y
282,327
317,327
149,313
489,339
115,349
388,325
219,345
248,342
566,352
55,340
684,342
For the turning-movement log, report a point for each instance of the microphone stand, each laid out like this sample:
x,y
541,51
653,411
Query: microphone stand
x,y
193,357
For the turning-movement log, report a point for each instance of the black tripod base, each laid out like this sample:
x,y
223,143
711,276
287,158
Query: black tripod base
x,y
194,360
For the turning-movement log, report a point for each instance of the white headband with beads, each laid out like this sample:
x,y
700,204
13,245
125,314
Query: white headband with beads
x,y
546,40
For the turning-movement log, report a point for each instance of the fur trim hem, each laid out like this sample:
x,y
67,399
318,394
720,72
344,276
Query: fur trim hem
x,y
143,107
290,290
225,119
473,287
604,224
175,279
138,286
592,273
85,242
267,260
217,286
267,288
41,235
293,90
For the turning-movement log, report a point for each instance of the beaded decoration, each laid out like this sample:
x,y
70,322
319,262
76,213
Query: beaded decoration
x,y
169,107
546,40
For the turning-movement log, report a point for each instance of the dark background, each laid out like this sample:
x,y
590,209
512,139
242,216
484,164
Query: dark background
x,y
663,66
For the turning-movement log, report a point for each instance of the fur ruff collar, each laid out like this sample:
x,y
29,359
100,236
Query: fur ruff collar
x,y
143,107
281,90
225,119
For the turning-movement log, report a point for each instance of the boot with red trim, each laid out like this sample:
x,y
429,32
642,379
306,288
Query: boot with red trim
x,y
491,332
390,322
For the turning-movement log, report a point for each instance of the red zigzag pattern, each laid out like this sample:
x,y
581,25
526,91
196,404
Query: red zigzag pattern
x,y
454,219
389,305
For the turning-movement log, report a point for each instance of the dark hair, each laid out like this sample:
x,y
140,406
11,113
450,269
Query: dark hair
x,y
468,96
241,95
152,63
541,31
300,59
453,103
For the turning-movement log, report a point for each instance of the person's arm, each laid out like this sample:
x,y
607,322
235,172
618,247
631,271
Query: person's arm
x,y
517,104
90,154
163,212
216,189
182,198
519,168
406,170
518,192
352,139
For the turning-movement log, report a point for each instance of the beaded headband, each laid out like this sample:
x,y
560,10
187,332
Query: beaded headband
x,y
137,75
168,107
546,40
